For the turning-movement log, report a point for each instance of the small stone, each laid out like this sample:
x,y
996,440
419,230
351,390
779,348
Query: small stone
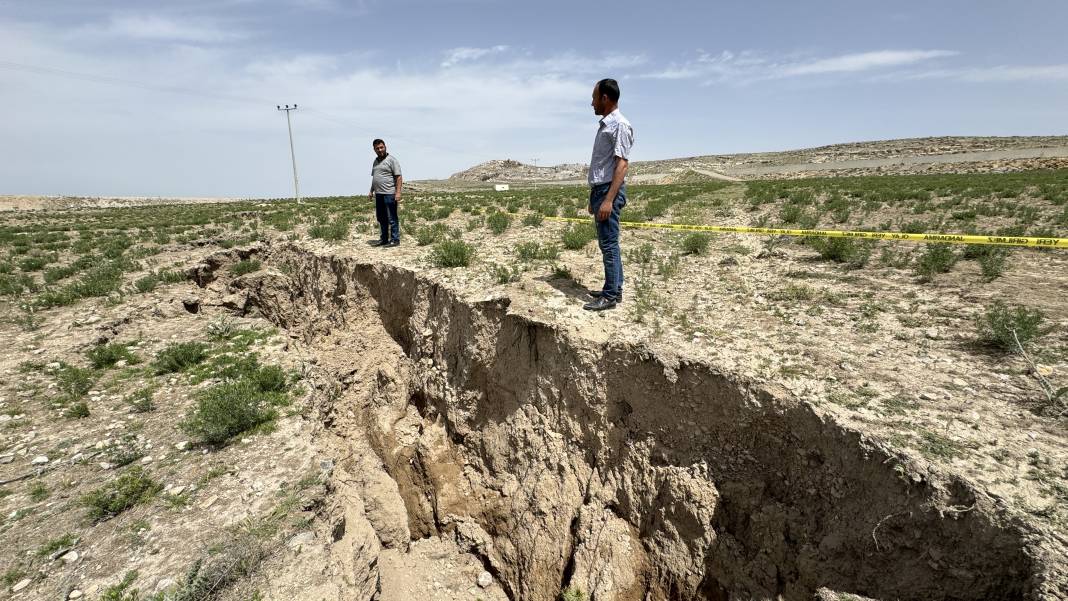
x,y
301,540
182,446
6,458
21,585
104,465
75,594
121,363
178,490
147,459
165,584
70,557
39,460
54,365
5,418
927,396
959,382
932,334
484,579
246,440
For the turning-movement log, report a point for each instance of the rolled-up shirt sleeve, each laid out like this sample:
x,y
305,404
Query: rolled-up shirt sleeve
x,y
624,141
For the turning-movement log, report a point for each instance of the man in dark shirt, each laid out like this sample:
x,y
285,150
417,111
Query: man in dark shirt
x,y
386,184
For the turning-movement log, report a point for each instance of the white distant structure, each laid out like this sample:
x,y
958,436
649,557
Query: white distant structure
x,y
501,187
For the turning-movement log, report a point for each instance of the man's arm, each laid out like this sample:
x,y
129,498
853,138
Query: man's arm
x,y
399,182
617,182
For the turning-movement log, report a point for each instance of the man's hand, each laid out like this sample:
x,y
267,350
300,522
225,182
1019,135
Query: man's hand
x,y
396,197
371,196
605,210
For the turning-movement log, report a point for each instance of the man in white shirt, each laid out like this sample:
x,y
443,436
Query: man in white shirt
x,y
608,193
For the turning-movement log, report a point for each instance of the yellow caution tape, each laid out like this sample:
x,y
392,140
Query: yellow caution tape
x,y
772,231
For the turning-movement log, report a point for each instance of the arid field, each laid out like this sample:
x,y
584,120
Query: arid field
x,y
246,400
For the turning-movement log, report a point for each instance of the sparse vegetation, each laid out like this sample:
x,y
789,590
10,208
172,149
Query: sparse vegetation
x,y
452,253
1002,325
179,356
122,493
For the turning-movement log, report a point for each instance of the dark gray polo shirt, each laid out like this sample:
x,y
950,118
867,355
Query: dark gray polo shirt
x,y
382,173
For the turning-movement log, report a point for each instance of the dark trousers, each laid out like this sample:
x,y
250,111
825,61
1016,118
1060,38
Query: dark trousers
x,y
388,223
608,239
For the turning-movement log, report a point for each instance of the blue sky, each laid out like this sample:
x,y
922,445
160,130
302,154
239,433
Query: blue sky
x,y
178,98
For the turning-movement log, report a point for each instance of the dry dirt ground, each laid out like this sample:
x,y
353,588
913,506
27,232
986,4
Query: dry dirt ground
x,y
751,422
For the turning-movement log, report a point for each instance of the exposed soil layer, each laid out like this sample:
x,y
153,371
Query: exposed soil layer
x,y
567,463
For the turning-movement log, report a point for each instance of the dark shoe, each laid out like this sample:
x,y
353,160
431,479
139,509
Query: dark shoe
x,y
598,293
381,243
395,243
600,304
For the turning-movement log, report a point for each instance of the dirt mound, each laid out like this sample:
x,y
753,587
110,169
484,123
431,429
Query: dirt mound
x,y
509,170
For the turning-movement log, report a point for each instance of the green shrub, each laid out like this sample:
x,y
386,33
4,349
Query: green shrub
x,y
578,235
854,253
129,489
103,356
122,591
55,274
535,219
244,267
228,409
642,255
178,356
74,382
147,283
997,326
695,243
668,266
503,274
938,257
334,232
532,251
498,222
141,400
14,285
79,410
427,235
992,262
452,253
64,542
35,263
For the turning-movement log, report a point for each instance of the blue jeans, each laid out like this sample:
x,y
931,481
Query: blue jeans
x,y
388,223
608,239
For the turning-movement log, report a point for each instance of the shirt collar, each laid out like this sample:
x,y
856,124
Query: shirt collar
x,y
610,117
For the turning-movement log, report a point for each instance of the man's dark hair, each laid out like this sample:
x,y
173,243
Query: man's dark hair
x,y
381,141
610,88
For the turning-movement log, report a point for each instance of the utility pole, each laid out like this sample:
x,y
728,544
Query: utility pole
x,y
535,161
292,154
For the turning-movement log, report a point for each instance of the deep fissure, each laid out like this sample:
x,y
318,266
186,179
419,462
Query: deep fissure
x,y
566,463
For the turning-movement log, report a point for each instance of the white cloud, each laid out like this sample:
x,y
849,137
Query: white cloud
x,y
749,66
201,119
160,28
455,56
864,61
997,74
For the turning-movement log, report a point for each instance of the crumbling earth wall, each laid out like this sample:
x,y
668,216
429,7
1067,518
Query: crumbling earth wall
x,y
607,468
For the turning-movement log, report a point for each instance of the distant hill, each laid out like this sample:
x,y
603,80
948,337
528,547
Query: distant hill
x,y
946,154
